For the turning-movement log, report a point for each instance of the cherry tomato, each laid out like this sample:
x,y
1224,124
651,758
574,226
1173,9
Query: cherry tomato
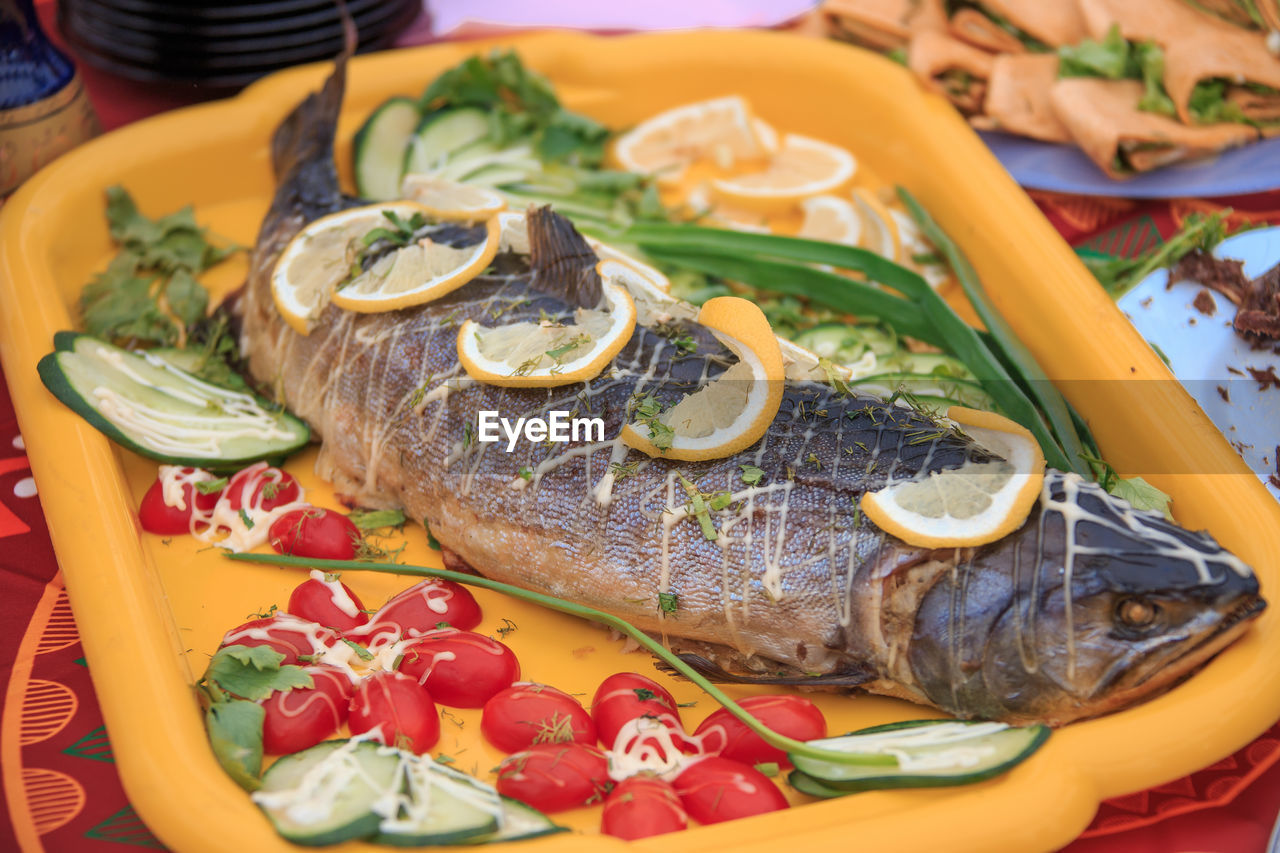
x,y
302,717
524,714
315,532
553,777
717,789
624,696
420,609
790,715
261,487
642,806
325,599
400,706
158,517
461,669
287,634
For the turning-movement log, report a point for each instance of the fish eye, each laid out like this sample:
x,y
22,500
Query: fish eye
x,y
1136,612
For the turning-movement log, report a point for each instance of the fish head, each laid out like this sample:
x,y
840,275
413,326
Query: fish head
x,y
1091,607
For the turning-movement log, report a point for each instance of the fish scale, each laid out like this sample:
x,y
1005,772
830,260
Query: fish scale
x,y
797,586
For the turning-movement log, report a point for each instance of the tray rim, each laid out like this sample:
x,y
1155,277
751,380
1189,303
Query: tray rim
x,y
89,508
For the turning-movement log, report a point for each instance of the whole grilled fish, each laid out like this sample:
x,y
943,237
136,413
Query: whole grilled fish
x,y
1088,607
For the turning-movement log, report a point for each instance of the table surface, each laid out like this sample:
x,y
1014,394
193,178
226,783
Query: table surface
x,y
61,789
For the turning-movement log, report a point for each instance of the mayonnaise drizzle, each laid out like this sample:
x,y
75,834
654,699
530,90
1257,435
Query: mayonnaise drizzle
x,y
223,526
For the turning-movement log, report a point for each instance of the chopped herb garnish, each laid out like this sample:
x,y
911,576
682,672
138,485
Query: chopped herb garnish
x,y
623,470
768,768
374,519
568,347
431,540
668,602
361,651
211,487
647,413
751,475
526,473
244,517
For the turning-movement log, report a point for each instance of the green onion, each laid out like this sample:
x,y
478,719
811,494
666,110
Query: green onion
x,y
581,610
1011,347
743,252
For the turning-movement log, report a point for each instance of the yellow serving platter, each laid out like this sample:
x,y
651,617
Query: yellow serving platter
x,y
151,610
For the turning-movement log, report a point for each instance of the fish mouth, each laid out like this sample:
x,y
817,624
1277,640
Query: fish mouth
x,y
1162,675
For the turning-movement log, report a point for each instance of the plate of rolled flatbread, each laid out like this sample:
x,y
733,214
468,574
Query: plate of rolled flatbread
x,y
1140,98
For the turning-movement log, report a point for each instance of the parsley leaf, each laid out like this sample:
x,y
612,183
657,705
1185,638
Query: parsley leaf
x,y
254,672
235,733
373,519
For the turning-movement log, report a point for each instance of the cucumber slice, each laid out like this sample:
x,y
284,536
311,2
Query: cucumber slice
x,y
442,134
380,148
474,158
440,806
160,411
806,784
500,175
518,822
844,344
931,753
326,794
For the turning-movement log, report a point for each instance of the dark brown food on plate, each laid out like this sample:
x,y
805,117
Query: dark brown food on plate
x,y
1257,301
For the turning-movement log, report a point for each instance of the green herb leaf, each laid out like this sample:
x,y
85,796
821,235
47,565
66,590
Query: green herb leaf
x,y
751,475
245,519
361,651
235,733
186,297
668,602
769,768
254,672
373,519
211,487
526,473
1142,495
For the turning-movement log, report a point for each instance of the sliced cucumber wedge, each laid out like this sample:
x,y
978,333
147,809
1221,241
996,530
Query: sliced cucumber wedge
x,y
442,134
440,806
806,784
380,148
519,822
326,794
154,408
930,753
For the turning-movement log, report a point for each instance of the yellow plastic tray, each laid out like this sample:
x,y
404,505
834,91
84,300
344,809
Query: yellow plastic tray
x,y
150,611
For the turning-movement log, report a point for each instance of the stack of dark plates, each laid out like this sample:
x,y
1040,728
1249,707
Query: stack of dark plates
x,y
221,45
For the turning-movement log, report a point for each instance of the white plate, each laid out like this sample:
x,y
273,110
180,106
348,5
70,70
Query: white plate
x,y
1210,359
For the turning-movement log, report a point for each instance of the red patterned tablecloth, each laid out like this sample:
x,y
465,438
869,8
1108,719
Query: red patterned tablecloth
x,y
63,795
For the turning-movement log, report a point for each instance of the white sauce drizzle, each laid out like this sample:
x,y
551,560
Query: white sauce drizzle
x,y
223,526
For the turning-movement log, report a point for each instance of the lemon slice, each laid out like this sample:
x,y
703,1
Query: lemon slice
x,y
974,504
321,255
830,218
445,199
802,167
879,231
652,275
731,412
513,232
722,130
654,305
546,354
418,273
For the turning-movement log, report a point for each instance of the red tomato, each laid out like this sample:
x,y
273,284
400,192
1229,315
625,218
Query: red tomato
x,y
420,609
262,487
158,517
642,806
461,669
717,789
524,714
302,717
285,633
325,599
624,696
401,706
315,532
790,715
553,777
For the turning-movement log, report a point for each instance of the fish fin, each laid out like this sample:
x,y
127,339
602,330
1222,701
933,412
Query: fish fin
x,y
563,264
302,146
851,677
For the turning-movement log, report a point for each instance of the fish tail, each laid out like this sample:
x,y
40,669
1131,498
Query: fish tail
x,y
303,144
562,262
